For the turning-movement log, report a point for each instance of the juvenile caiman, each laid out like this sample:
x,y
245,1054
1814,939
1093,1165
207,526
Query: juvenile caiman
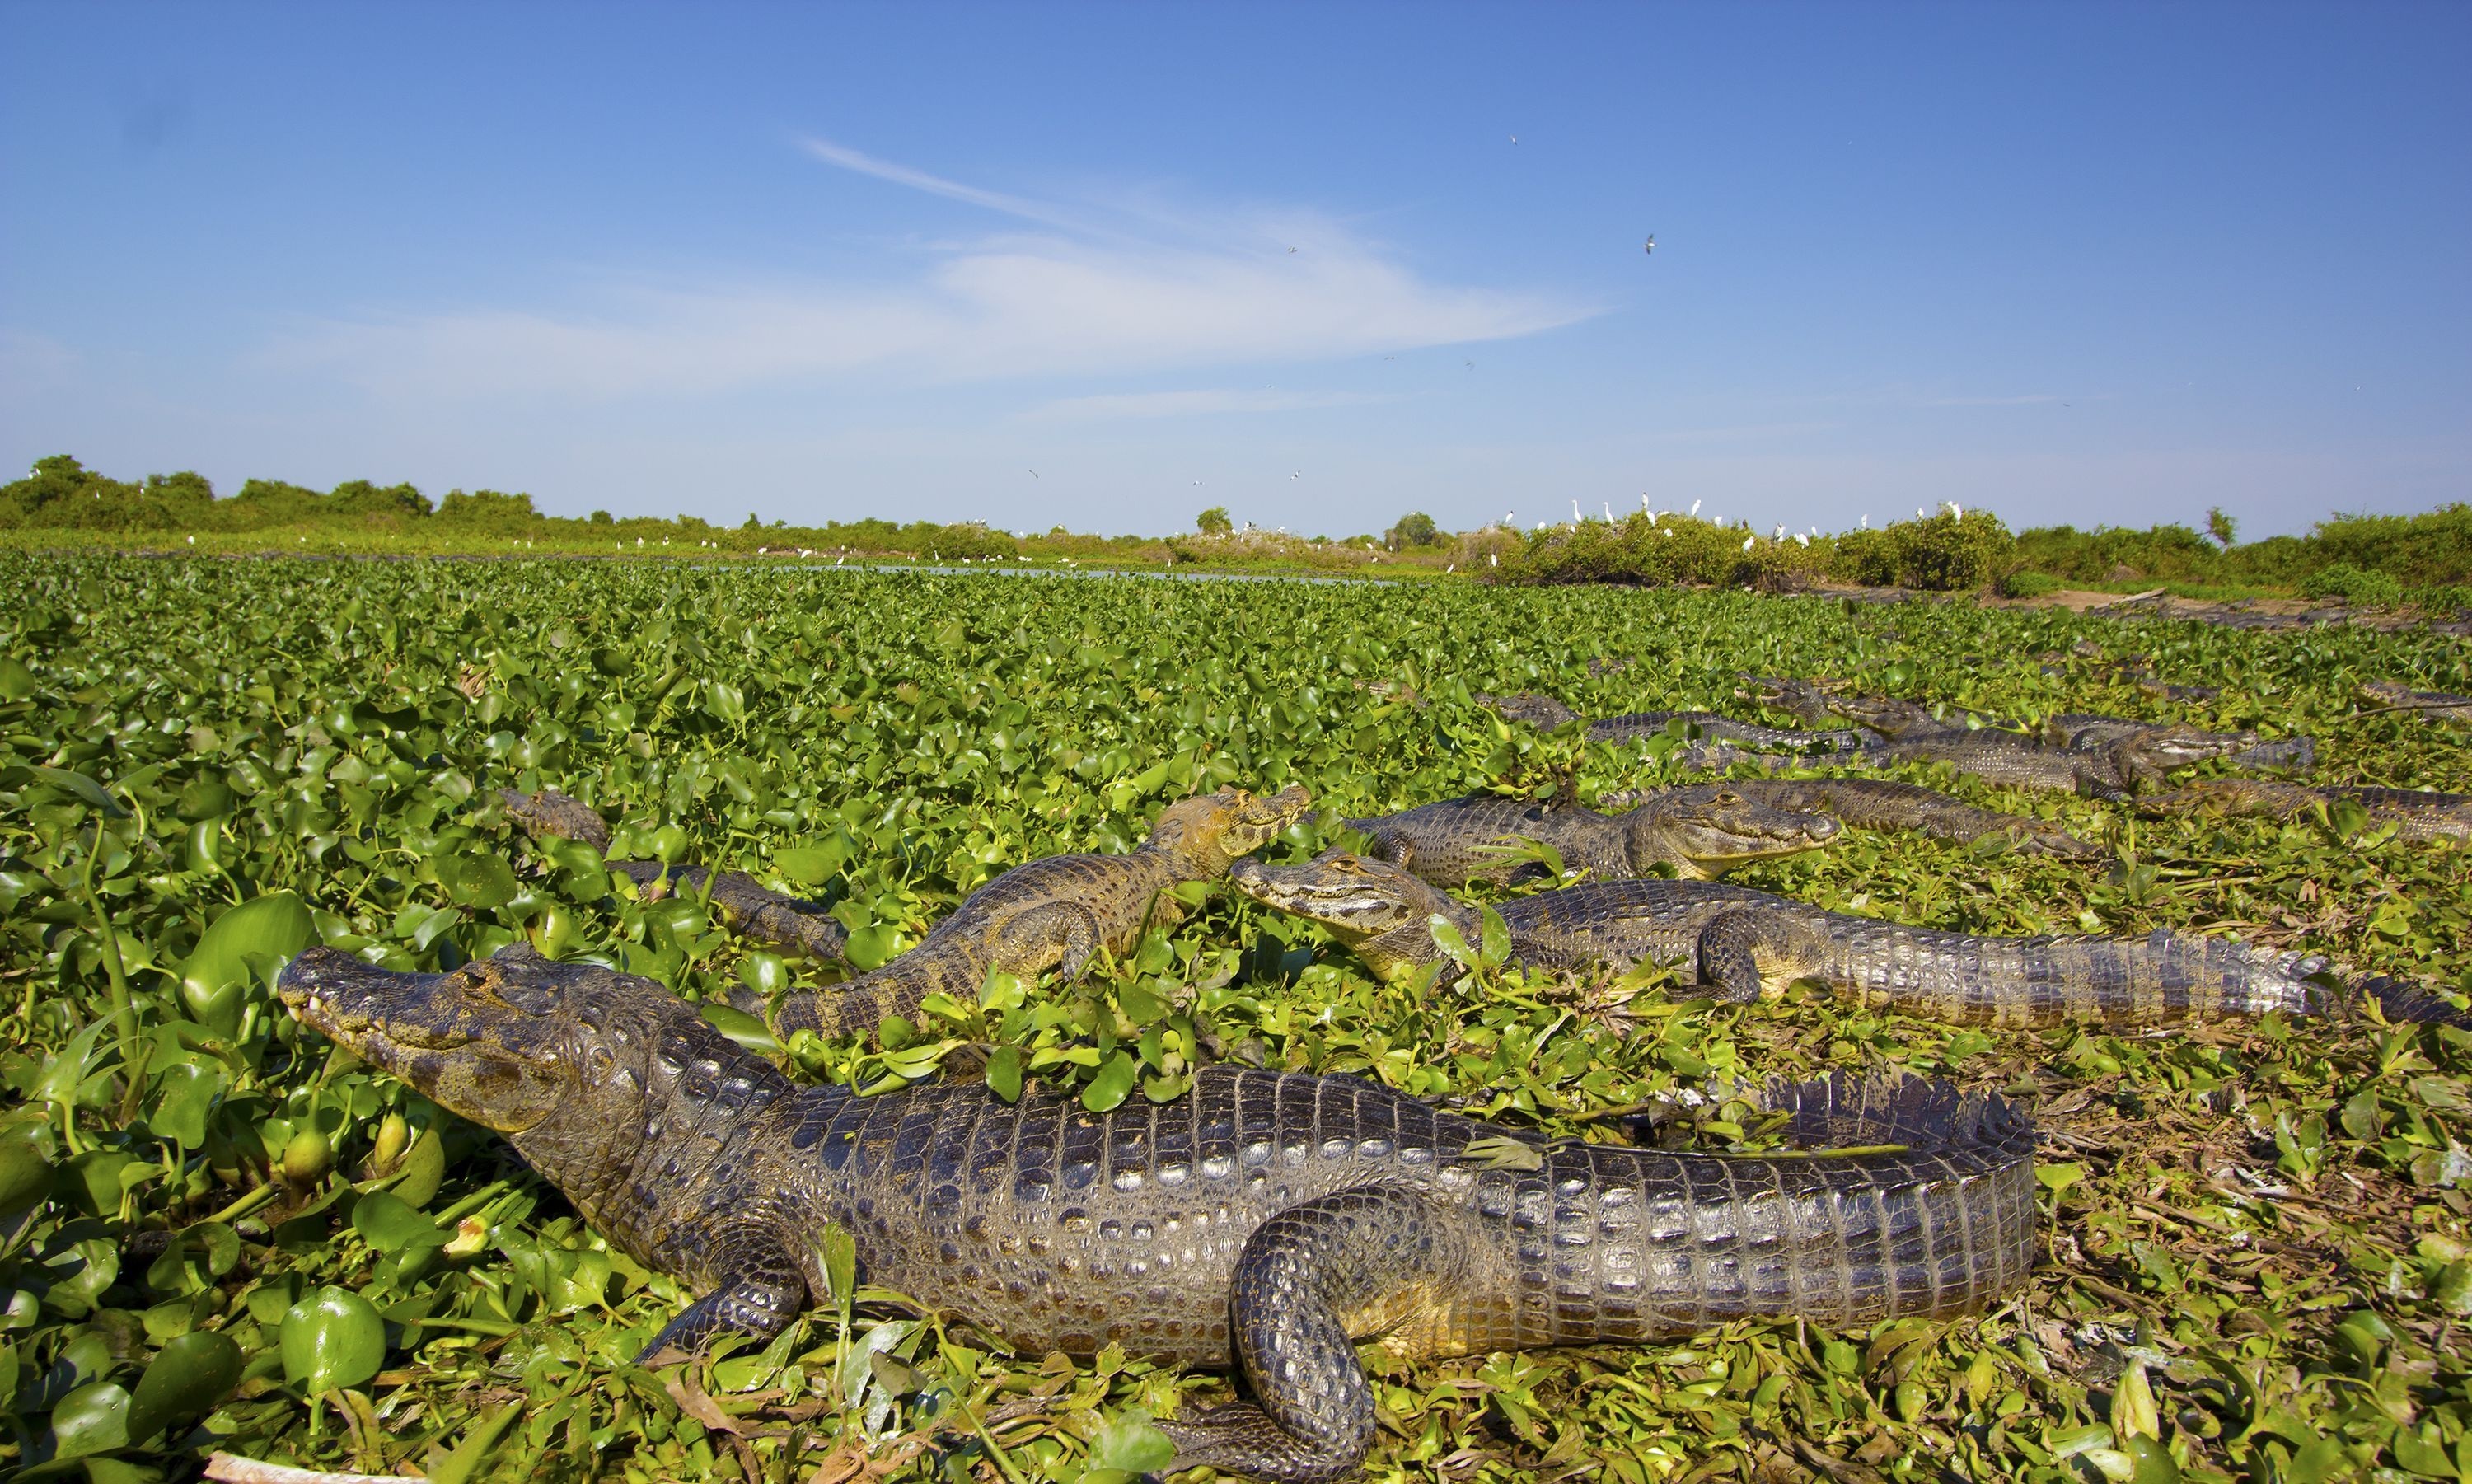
x,y
2419,814
1546,713
1052,913
1263,1222
746,904
1879,804
1744,944
1697,831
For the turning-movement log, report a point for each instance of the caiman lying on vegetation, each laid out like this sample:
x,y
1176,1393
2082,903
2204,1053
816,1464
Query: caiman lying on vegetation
x,y
1889,720
2418,815
2112,770
1547,713
1265,1222
1697,831
1743,944
2388,696
1878,804
746,904
1055,912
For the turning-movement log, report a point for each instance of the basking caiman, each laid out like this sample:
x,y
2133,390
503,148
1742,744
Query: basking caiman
x,y
746,904
1697,831
2420,815
1878,804
1053,913
1744,944
2110,771
1892,720
1546,713
2437,704
1263,1222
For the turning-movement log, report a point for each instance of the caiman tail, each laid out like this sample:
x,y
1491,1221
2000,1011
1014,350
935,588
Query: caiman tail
x,y
1936,1217
2043,981
897,988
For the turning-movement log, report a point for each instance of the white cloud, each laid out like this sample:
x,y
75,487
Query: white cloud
x,y
1069,301
1111,406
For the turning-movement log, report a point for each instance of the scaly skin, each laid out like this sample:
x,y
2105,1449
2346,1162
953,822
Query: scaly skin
x,y
1877,804
1698,832
1744,944
1051,913
1547,713
2420,815
746,904
2436,704
1263,1222
2115,769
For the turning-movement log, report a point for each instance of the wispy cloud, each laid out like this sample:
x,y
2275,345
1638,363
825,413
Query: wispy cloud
x,y
1073,300
1111,406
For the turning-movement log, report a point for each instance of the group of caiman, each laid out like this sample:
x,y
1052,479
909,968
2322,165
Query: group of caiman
x,y
1271,1223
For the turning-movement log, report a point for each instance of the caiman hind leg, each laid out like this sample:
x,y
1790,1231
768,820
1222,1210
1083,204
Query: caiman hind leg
x,y
1063,933
760,1290
1310,1281
1745,951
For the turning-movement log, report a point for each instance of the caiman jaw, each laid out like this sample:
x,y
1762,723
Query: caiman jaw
x,y
1340,892
466,1040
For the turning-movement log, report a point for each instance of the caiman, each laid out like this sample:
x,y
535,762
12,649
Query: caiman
x,y
1055,913
2388,696
1263,1222
1889,719
1697,831
2111,770
1878,804
1744,944
746,904
1546,713
2418,815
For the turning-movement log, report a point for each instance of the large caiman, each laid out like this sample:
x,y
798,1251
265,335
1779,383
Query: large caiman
x,y
1696,831
1881,804
1744,945
2419,814
747,905
2110,771
1263,1222
1057,911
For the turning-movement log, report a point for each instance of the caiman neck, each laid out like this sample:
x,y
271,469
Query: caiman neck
x,y
1402,951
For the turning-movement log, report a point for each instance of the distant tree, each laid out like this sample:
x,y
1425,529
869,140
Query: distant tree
x,y
360,497
491,508
1414,529
2221,527
601,518
1214,521
752,524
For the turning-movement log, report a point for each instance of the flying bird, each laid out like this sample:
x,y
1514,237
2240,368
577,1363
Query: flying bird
x,y
1651,243
1471,365
1034,473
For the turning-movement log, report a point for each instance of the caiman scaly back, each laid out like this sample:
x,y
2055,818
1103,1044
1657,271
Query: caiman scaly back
x,y
1265,1222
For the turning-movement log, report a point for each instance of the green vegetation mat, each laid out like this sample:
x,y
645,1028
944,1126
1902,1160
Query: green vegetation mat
x,y
215,1232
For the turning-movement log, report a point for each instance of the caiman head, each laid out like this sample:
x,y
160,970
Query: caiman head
x,y
1543,712
2144,756
1209,832
568,1059
1707,831
1886,715
1806,700
1373,906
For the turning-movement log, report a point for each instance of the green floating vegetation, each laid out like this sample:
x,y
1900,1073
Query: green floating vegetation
x,y
218,1233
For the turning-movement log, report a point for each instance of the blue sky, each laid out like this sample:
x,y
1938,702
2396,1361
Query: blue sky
x,y
1321,264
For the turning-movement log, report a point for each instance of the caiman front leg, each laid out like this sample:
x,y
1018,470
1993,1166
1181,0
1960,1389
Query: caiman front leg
x,y
1063,933
1745,951
1309,1282
760,1290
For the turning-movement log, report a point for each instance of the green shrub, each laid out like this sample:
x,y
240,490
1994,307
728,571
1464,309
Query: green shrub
x,y
1942,553
2354,585
2027,584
